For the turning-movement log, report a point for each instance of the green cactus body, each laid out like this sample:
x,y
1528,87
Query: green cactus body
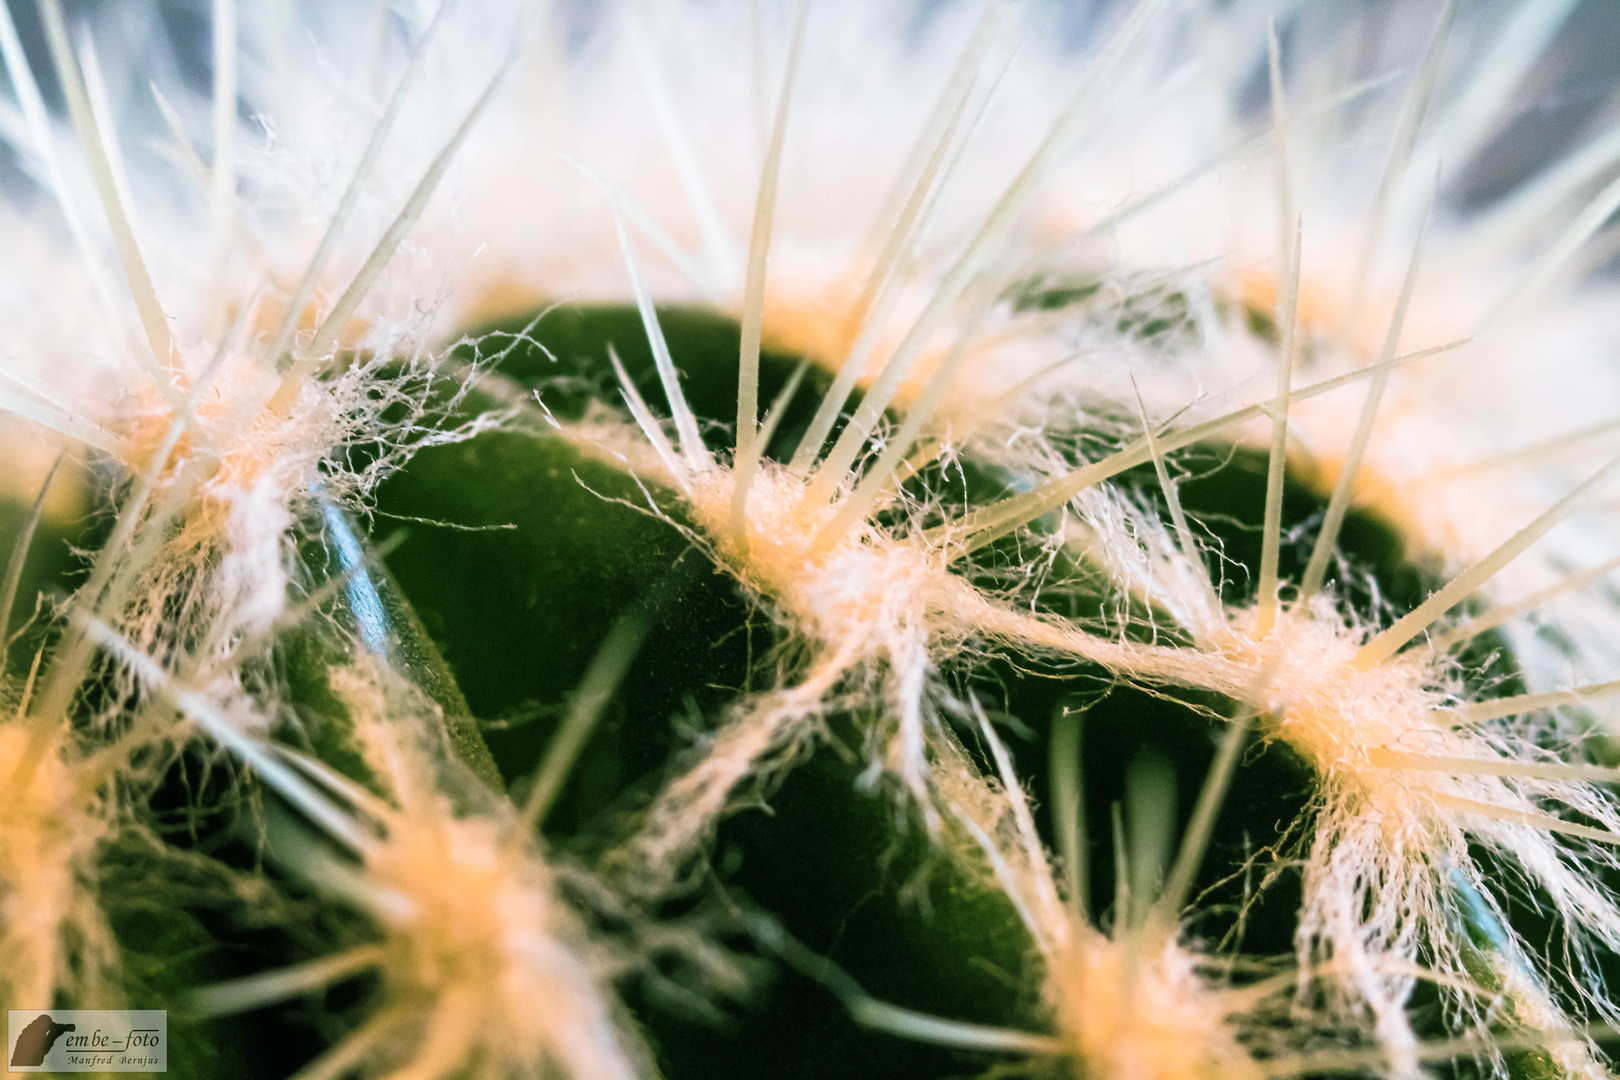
x,y
908,932
529,547
888,647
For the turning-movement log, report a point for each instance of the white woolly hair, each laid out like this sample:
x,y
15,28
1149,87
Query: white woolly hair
x,y
1411,768
211,453
1139,999
481,963
53,935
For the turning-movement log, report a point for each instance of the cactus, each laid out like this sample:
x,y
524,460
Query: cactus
x,y
1110,588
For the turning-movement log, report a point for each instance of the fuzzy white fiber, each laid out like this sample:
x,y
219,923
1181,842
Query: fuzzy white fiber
x,y
214,287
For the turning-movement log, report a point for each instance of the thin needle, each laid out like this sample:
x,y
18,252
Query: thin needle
x,y
1528,453
1069,806
225,104
255,991
1279,134
759,245
351,194
337,320
1525,703
1178,516
1271,530
1495,617
894,267
39,127
1406,133
1289,230
1529,770
722,259
693,452
19,555
1344,487
983,526
648,424
84,123
250,751
1195,841
873,484
1526,818
767,431
979,249
608,669
1587,222
1416,621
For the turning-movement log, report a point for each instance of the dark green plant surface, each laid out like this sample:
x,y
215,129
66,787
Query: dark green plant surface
x,y
524,549
519,613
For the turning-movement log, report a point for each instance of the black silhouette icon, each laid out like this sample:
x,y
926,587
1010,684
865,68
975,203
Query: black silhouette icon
x,y
37,1039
